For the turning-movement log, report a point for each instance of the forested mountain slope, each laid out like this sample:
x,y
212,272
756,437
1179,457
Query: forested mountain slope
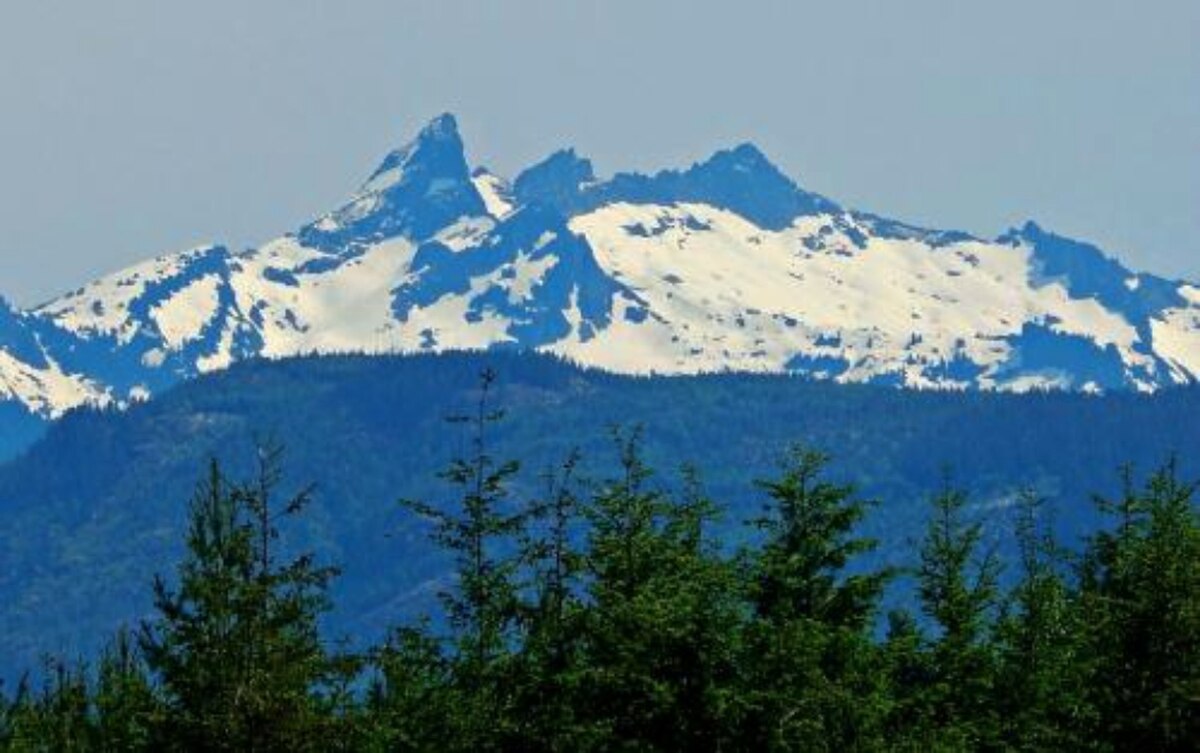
x,y
95,508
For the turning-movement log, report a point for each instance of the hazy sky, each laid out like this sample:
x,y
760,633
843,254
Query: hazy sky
x,y
128,129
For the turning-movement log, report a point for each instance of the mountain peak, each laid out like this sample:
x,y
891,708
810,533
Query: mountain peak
x,y
1032,230
437,148
417,190
555,181
745,155
1029,232
744,180
444,126
724,264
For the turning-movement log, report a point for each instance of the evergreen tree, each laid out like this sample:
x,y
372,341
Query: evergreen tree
x,y
480,531
815,683
128,711
1041,687
958,591
235,646
663,621
410,704
55,717
548,671
910,673
608,617
1141,596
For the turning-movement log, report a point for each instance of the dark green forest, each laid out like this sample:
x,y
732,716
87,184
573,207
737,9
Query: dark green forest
x,y
99,502
607,615
610,613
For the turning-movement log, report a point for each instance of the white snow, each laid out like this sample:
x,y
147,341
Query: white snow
x,y
48,392
493,190
102,307
719,293
182,317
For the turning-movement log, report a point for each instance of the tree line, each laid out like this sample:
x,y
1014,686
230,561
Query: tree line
x,y
605,615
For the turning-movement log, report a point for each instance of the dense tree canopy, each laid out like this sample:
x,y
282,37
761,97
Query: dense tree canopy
x,y
608,614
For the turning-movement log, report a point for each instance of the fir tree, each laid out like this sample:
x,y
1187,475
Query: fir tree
x,y
663,619
549,668
814,684
54,717
958,591
1141,594
235,646
480,530
129,713
1041,685
410,703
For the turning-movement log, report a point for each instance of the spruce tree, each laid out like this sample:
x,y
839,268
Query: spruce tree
x,y
663,619
1041,684
958,591
815,682
480,530
56,716
235,645
129,713
410,703
1141,600
548,671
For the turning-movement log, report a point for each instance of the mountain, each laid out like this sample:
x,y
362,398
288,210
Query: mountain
x,y
724,266
98,506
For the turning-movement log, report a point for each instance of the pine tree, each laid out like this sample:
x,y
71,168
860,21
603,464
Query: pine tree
x,y
815,683
662,626
958,591
235,646
548,670
410,704
1041,686
1141,599
128,711
57,716
480,530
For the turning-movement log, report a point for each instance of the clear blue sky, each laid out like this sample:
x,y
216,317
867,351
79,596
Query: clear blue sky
x,y
129,129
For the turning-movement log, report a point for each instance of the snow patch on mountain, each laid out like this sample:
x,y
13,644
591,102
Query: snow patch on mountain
x,y
496,193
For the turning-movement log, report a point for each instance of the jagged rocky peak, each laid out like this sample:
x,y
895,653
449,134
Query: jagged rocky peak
x,y
436,152
724,265
15,337
557,181
740,179
417,190
744,180
1088,272
744,159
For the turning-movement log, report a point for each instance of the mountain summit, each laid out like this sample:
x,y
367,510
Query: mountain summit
x,y
417,190
725,265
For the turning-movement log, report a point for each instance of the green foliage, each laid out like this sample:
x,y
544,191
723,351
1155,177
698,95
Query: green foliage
x,y
117,709
235,646
957,587
813,681
621,615
482,606
1141,605
85,517
547,677
811,537
128,710
1043,673
662,623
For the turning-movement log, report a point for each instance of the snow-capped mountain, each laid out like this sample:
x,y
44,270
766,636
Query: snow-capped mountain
x,y
727,265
